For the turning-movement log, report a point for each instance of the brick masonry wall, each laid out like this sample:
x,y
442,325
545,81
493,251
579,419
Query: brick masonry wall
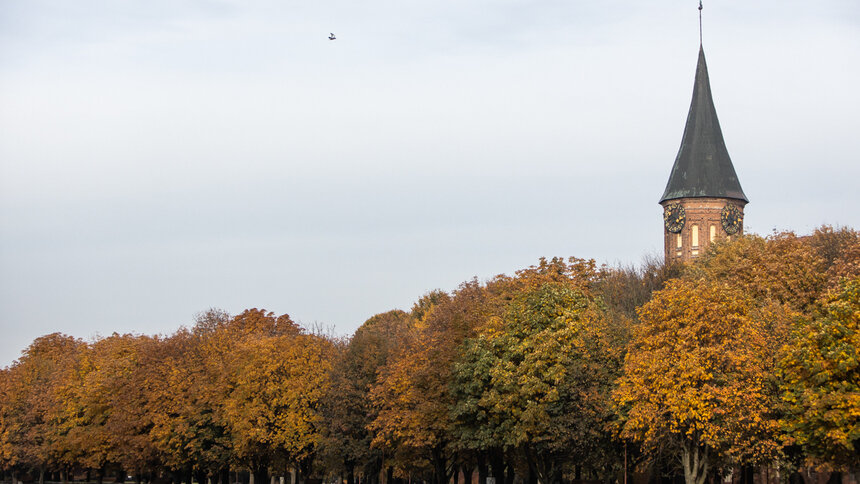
x,y
704,213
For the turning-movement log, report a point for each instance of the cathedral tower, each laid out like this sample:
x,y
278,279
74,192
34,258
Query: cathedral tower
x,y
703,200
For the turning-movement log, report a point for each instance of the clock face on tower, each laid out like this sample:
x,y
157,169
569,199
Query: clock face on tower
x,y
731,218
674,217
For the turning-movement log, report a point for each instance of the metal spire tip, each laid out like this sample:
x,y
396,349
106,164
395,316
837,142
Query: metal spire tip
x,y
700,23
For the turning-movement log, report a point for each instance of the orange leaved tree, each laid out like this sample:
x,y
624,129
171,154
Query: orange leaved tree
x,y
30,435
697,380
273,409
104,396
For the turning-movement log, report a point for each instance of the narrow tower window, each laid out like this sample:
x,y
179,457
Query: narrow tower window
x,y
713,232
695,233
680,241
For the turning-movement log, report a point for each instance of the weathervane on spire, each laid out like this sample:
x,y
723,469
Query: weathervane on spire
x,y
700,22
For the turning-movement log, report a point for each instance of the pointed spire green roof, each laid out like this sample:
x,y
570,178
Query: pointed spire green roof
x,y
703,167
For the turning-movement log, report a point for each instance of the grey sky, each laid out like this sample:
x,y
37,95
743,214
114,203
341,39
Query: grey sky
x,y
159,158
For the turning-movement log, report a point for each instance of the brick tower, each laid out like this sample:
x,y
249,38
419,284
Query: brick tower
x,y
703,200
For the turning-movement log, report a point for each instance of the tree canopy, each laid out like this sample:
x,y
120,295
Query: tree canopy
x,y
563,371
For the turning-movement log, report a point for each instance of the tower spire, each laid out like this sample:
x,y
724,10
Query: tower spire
x,y
703,200
703,167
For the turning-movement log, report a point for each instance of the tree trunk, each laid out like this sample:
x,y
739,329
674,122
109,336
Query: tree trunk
x,y
467,474
497,465
694,459
482,468
532,465
440,466
510,475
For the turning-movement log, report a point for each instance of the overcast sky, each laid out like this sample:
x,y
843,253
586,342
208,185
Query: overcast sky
x,y
161,157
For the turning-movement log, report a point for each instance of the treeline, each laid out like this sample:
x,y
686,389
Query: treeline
x,y
745,359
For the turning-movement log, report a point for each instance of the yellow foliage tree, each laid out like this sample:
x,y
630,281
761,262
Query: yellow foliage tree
x,y
821,382
29,403
782,268
697,379
273,409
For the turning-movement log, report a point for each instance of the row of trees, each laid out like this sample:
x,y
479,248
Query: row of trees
x,y
747,357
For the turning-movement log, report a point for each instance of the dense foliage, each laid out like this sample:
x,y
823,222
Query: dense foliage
x,y
563,371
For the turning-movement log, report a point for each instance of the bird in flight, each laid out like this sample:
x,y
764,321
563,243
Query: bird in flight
x,y
331,37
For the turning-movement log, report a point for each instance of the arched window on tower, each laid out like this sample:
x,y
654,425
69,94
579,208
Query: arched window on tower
x,y
694,235
713,232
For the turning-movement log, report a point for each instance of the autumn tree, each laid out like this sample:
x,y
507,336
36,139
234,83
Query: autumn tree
x,y
821,382
411,398
186,401
782,268
197,434
537,380
104,416
347,406
414,396
696,379
273,409
625,288
8,429
841,249
30,404
250,324
831,243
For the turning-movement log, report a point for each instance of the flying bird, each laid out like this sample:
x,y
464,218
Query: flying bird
x,y
331,37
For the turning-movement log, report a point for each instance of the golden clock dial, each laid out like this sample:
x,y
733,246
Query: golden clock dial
x,y
674,217
731,218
